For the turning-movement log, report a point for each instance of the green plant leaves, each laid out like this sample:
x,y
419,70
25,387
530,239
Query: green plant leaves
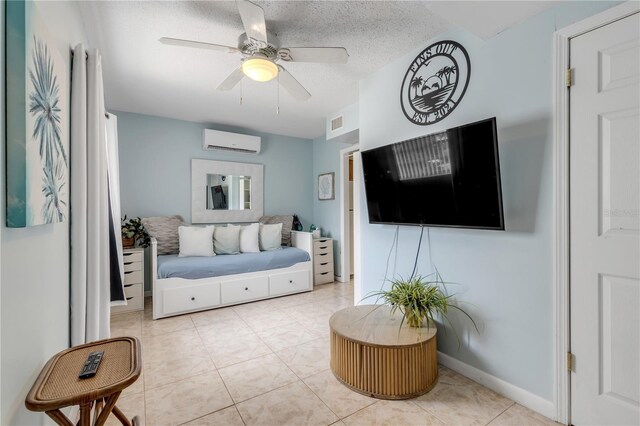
x,y
420,298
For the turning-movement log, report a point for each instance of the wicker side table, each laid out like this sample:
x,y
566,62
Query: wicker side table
x,y
58,385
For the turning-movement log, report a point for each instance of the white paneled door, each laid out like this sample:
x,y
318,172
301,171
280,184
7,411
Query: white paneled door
x,y
605,224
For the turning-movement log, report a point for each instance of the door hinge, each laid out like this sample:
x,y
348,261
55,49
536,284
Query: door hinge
x,y
569,77
569,361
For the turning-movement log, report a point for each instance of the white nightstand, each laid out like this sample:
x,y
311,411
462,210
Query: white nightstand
x,y
322,260
133,281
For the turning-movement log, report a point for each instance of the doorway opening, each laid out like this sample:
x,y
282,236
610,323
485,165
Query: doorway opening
x,y
349,200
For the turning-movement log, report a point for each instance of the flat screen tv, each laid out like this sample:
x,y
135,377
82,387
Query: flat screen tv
x,y
449,179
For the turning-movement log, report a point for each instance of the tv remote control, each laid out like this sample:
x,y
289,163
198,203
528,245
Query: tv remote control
x,y
91,365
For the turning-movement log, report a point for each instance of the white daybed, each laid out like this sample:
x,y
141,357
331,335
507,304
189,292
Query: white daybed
x,y
175,296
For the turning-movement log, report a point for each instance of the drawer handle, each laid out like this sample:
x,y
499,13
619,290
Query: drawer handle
x,y
128,285
128,272
127,254
325,263
128,263
323,273
290,281
323,254
129,298
322,248
193,298
246,288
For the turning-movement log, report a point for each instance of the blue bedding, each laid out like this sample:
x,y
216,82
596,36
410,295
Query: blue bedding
x,y
172,266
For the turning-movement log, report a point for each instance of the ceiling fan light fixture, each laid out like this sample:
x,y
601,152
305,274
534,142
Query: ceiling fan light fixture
x,y
260,69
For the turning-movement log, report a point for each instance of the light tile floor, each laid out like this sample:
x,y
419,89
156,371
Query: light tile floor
x,y
267,363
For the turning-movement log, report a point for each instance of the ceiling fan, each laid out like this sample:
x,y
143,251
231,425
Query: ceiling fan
x,y
261,53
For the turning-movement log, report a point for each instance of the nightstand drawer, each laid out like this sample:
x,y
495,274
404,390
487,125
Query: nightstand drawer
x,y
322,257
319,261
318,268
133,290
135,299
323,277
322,246
132,256
133,277
132,266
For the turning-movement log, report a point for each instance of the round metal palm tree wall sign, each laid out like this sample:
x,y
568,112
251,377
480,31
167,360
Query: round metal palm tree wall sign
x,y
435,82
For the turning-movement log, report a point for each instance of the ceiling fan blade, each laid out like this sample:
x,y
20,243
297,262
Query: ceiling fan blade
x,y
231,81
253,20
327,55
291,85
197,44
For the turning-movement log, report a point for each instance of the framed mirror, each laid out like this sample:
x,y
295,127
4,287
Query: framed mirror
x,y
223,192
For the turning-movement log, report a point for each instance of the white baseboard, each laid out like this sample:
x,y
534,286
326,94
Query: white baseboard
x,y
519,395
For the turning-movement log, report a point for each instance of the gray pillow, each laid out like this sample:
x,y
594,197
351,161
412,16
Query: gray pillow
x,y
270,236
226,240
287,224
165,230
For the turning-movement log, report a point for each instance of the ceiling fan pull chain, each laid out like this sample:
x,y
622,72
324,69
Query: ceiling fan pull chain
x,y
278,95
241,92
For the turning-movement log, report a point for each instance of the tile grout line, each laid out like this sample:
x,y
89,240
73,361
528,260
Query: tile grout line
x,y
219,375
427,410
321,400
239,414
501,413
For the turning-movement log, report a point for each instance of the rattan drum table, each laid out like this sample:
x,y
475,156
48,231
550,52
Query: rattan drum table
x,y
373,354
58,385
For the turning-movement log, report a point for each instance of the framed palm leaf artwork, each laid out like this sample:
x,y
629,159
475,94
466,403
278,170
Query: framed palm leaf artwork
x,y
37,120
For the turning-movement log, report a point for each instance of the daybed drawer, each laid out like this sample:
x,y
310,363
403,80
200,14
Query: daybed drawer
x,y
132,266
190,297
289,282
134,256
323,277
243,290
133,277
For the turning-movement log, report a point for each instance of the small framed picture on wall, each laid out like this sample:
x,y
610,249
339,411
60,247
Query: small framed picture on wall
x,y
326,186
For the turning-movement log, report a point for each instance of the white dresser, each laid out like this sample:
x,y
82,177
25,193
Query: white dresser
x,y
322,260
133,281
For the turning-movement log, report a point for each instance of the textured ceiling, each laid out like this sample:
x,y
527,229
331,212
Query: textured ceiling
x,y
141,75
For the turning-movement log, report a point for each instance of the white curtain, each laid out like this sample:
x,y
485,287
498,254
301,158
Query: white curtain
x,y
91,264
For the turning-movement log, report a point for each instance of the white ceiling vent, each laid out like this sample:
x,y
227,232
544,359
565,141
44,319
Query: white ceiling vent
x,y
226,141
337,123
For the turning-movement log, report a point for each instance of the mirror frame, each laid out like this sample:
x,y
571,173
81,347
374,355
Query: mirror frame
x,y
199,171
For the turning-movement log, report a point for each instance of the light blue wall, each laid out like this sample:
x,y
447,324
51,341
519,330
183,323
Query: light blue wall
x,y
155,167
507,276
326,213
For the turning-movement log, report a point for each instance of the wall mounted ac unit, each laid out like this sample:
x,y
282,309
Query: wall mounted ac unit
x,y
227,141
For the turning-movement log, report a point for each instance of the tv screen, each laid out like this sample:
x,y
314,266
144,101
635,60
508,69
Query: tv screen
x,y
450,179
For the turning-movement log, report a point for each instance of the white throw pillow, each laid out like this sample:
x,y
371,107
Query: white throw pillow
x,y
270,237
226,240
196,241
249,238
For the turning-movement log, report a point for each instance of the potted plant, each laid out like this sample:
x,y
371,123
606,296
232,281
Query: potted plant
x,y
133,232
419,299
